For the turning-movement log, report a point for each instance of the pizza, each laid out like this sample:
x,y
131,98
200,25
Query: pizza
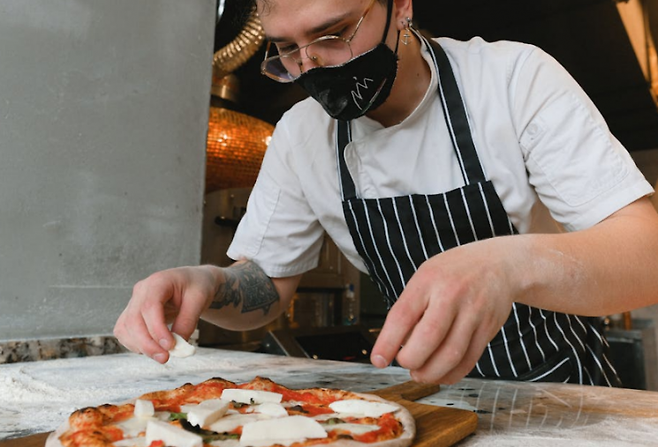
x,y
259,413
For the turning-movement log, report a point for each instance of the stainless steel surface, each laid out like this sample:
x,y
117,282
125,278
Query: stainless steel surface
x,y
102,140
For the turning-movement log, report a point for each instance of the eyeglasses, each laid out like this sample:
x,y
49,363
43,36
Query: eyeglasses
x,y
326,51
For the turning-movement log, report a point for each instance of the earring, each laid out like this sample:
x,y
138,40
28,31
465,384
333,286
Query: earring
x,y
406,35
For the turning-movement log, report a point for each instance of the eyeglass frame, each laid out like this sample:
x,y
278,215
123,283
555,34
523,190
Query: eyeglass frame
x,y
348,41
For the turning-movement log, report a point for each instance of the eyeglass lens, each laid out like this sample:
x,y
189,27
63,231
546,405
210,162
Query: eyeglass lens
x,y
325,52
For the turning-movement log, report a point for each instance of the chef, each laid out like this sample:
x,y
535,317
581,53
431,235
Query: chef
x,y
474,182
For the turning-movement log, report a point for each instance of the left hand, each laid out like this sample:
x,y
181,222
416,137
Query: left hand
x,y
449,311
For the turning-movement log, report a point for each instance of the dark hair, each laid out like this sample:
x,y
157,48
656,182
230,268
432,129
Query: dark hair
x,y
249,5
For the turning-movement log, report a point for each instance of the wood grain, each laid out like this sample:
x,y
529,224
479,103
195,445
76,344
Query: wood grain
x,y
38,440
435,426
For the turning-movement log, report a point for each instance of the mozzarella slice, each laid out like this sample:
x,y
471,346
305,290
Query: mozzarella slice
x,y
229,423
144,408
207,412
226,443
324,416
271,409
356,429
251,396
135,426
132,427
285,431
182,347
131,442
171,435
362,407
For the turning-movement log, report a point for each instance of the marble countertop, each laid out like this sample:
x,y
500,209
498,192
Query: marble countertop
x,y
37,397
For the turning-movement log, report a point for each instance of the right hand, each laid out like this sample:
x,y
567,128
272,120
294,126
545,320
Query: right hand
x,y
176,296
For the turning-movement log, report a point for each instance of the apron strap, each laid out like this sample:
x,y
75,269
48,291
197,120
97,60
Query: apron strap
x,y
455,115
456,120
343,138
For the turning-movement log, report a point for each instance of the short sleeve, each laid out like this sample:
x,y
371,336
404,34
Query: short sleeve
x,y
579,170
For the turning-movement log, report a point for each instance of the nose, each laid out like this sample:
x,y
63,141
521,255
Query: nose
x,y
310,61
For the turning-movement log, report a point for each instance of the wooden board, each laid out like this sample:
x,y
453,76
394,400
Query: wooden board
x,y
435,426
29,441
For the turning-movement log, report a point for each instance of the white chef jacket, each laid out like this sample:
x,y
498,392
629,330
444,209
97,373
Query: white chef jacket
x,y
542,143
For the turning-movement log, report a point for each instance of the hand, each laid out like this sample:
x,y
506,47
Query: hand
x,y
177,296
449,311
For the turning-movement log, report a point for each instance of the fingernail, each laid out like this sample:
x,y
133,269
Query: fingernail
x,y
379,361
160,358
164,343
415,378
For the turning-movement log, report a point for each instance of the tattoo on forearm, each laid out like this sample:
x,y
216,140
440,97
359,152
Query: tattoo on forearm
x,y
246,283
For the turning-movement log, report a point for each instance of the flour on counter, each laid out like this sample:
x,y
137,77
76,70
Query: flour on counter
x,y
37,397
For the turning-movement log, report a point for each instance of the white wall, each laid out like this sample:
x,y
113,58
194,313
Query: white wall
x,y
103,117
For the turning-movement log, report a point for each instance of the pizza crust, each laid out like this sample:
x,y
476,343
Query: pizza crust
x,y
53,438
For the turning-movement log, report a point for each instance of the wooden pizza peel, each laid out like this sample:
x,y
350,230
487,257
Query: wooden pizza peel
x,y
435,426
28,441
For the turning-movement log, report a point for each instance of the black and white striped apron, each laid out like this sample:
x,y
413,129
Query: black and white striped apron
x,y
395,235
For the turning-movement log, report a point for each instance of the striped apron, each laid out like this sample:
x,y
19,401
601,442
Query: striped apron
x,y
395,235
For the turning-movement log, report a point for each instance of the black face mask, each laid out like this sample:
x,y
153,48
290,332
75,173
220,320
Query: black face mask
x,y
361,85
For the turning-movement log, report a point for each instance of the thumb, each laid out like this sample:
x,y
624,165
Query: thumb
x,y
188,317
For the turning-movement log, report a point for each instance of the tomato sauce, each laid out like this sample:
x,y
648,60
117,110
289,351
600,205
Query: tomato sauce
x,y
389,428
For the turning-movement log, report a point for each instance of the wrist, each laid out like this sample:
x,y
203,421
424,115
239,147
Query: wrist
x,y
541,271
216,277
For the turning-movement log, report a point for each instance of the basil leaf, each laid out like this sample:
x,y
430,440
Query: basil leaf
x,y
207,435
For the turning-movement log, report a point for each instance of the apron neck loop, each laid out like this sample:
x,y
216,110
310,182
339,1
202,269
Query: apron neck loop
x,y
455,115
343,138
456,118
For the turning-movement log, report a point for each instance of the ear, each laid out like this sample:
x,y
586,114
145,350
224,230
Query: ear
x,y
402,9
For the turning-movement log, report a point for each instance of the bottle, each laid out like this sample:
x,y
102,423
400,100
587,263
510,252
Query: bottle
x,y
350,306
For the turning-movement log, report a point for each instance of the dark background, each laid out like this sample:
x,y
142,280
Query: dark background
x,y
586,36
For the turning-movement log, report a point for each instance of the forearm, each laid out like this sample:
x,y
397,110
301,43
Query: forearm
x,y
607,269
246,298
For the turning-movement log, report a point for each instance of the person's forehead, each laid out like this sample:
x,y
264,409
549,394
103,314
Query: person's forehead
x,y
282,18
281,7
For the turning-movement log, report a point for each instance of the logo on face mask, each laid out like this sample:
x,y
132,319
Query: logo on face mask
x,y
357,95
344,99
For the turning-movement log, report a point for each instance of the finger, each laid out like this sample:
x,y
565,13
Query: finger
x,y
145,330
427,336
188,315
126,332
475,350
399,323
451,353
131,332
155,324
122,334
151,347
150,297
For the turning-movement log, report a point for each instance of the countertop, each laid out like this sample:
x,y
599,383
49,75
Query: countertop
x,y
36,397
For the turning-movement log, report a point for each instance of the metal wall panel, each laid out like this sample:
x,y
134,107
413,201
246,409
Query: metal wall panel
x,y
103,120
